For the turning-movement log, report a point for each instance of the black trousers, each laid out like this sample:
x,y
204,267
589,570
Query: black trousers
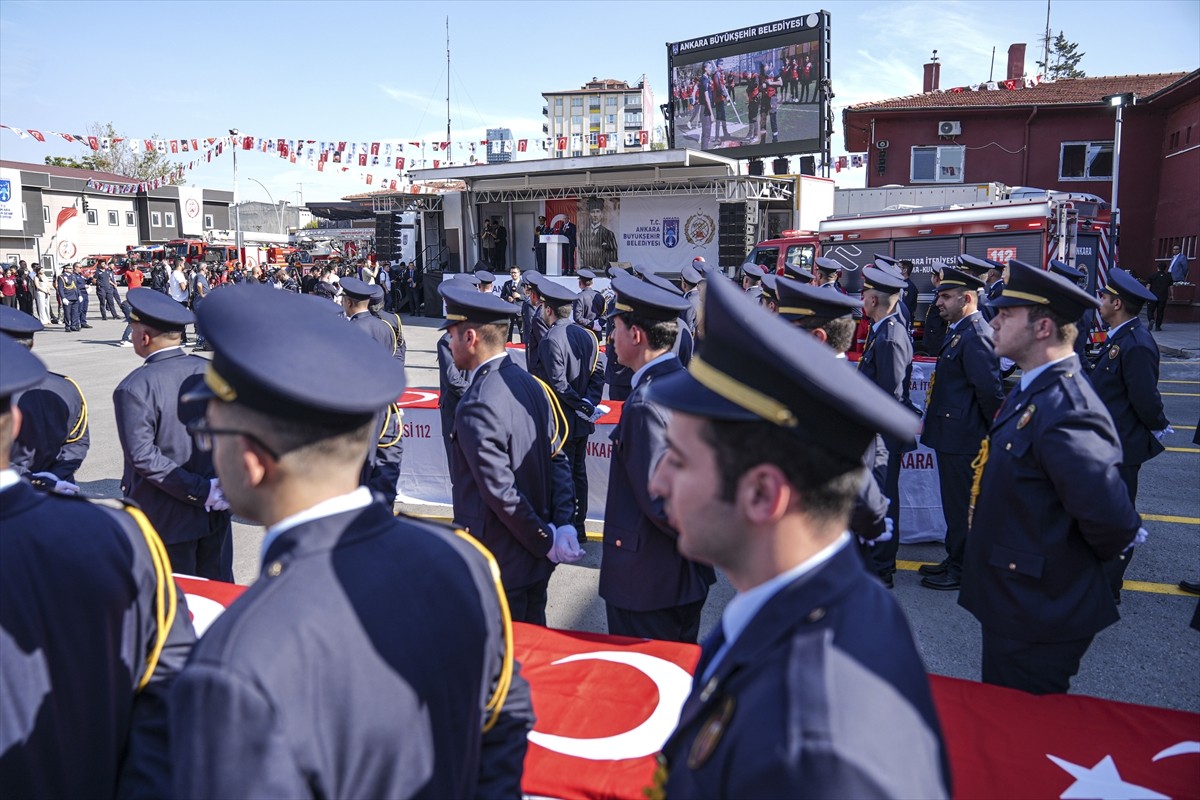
x,y
528,603
209,556
954,480
675,624
1034,667
884,554
576,453
1114,570
1154,312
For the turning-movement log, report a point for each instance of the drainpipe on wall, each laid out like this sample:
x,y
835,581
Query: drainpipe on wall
x,y
1025,152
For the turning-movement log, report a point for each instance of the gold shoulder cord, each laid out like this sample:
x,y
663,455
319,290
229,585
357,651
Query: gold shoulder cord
x,y
81,425
559,440
978,465
504,682
166,601
596,357
391,409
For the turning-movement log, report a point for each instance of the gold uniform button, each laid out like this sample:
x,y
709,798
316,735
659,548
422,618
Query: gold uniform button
x,y
275,569
617,542
1012,565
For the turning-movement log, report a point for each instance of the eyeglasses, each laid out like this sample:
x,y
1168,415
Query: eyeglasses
x,y
205,436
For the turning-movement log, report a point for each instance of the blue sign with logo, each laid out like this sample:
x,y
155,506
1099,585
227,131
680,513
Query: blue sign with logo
x,y
5,191
670,231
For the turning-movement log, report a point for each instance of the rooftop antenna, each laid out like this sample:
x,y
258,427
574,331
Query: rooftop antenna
x,y
1046,43
450,151
992,68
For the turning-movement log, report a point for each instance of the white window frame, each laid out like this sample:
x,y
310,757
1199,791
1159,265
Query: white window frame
x,y
114,218
168,219
93,216
208,222
155,219
1100,144
952,172
45,213
130,219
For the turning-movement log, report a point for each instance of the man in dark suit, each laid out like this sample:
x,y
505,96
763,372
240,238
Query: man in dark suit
x,y
1125,376
534,325
328,677
93,633
171,480
588,307
513,291
752,275
764,457
887,362
1050,506
570,356
934,330
567,228
511,481
54,438
964,394
649,589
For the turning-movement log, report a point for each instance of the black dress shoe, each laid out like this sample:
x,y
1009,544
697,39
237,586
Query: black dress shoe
x,y
1190,586
934,569
887,579
84,325
581,538
949,581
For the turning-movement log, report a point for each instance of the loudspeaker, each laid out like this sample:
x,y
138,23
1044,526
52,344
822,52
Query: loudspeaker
x,y
808,165
755,167
779,166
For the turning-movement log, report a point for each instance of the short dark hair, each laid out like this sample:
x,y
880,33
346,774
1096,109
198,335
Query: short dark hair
x,y
660,333
839,333
1066,329
562,311
305,438
827,483
492,334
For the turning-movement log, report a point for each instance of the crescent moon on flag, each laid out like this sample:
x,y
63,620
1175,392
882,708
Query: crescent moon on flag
x,y
1182,748
414,396
204,612
673,683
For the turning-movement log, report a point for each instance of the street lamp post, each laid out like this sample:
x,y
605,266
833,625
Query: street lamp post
x,y
278,210
1117,101
237,214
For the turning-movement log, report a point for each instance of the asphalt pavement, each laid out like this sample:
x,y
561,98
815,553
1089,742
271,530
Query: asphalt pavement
x,y
1149,657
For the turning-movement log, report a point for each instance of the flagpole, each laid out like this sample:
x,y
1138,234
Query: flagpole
x,y
237,213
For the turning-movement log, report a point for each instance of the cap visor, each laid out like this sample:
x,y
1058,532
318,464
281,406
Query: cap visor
x,y
680,391
201,393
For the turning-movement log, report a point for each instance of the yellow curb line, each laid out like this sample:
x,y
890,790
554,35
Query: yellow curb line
x,y
1132,586
1176,520
1183,449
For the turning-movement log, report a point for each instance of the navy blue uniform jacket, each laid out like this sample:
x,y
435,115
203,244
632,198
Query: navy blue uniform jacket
x,y
821,670
452,382
641,569
358,665
165,474
508,485
588,307
966,389
1125,376
570,356
77,623
54,435
1051,508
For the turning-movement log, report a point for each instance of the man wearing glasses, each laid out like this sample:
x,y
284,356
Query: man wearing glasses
x,y
169,478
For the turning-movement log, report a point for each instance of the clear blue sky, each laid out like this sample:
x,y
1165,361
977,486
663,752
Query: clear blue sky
x,y
376,70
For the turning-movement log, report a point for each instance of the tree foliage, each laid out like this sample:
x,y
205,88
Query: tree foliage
x,y
1064,59
139,164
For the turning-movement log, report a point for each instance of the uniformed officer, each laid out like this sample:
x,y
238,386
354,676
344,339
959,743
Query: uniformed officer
x,y
649,589
1083,325
71,291
537,326
826,273
752,280
323,679
887,362
486,279
54,438
964,395
1049,503
934,330
617,377
92,633
171,480
1125,376
106,290
452,381
511,481
890,267
684,343
588,306
690,279
812,658
769,299
574,367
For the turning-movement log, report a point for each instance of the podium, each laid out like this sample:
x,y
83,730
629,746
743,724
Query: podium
x,y
556,245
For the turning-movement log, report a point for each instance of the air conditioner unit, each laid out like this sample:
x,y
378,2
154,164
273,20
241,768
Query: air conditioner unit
x,y
950,128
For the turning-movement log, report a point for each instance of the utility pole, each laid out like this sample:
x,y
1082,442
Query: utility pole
x,y
1046,43
449,144
237,214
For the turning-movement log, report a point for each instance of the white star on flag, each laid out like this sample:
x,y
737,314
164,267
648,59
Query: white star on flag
x,y
1101,782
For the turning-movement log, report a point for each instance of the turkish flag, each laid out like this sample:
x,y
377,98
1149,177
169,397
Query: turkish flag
x,y
283,150
362,159
68,137
341,146
399,162
65,215
248,143
602,140
643,137
195,145
436,163
374,148
174,145
37,135
562,143
93,142
321,165
392,185
522,145
370,178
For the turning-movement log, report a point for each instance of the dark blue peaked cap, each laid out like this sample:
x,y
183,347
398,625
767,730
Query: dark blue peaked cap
x,y
1031,286
755,366
19,369
1122,284
157,310
662,283
313,367
556,293
586,274
799,301
645,299
465,304
17,324
976,264
882,280
690,274
1066,270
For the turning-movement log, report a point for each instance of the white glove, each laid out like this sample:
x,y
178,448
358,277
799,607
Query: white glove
x,y
60,486
566,549
1139,537
216,498
1160,434
597,413
889,530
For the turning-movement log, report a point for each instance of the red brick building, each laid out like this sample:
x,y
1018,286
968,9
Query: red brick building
x,y
1054,135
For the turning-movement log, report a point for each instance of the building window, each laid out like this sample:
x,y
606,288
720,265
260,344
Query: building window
x,y
577,122
114,218
1085,161
576,102
208,222
169,219
612,120
130,219
611,101
155,219
576,153
937,164
93,216
45,213
633,100
558,102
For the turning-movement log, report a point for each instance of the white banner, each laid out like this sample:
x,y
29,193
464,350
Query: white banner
x,y
10,200
665,233
921,517
191,211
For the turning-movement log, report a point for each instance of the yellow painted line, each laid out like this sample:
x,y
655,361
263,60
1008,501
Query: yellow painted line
x,y
1185,427
592,536
1176,520
1180,394
1189,382
1132,586
1183,449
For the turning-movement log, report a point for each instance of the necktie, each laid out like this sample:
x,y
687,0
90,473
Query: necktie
x,y
710,649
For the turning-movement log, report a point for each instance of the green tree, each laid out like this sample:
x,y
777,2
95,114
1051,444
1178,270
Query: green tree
x,y
1063,59
119,159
